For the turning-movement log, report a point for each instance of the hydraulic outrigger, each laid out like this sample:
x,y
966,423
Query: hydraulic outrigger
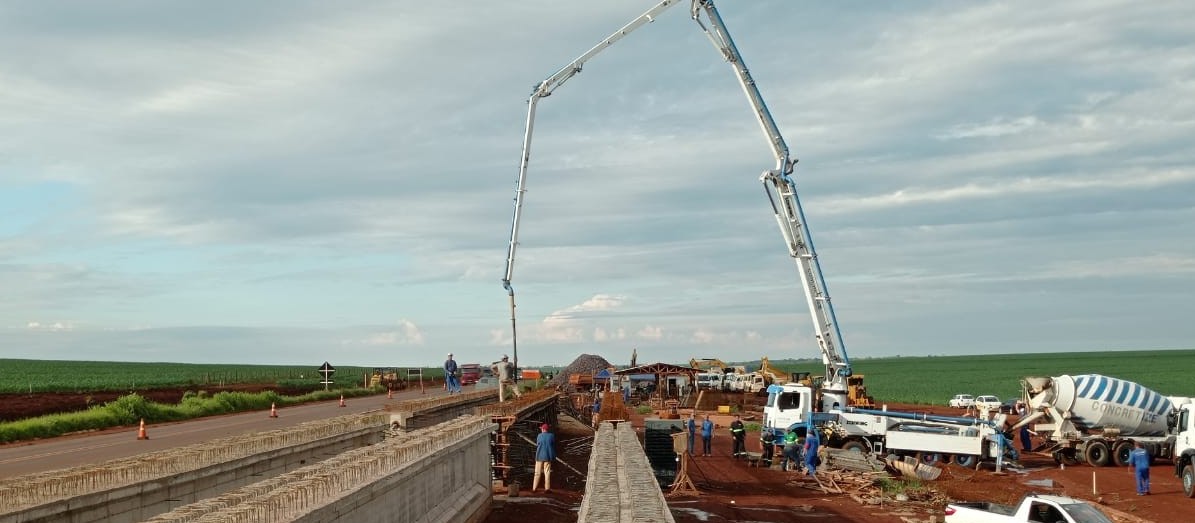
x,y
778,185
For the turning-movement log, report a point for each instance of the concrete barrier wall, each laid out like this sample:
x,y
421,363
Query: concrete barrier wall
x,y
449,484
621,485
426,412
425,476
134,489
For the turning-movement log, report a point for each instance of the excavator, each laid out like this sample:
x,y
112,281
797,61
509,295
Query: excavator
x,y
777,181
709,364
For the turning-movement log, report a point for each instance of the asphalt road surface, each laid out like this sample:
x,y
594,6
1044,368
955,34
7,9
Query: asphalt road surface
x,y
18,459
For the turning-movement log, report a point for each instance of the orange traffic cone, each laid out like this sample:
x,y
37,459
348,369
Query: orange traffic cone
x,y
389,394
141,433
273,411
342,400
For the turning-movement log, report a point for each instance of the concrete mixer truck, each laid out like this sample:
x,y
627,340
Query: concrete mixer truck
x,y
1097,419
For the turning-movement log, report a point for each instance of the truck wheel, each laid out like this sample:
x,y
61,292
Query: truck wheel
x,y
929,458
965,460
855,446
1097,454
1189,481
1120,453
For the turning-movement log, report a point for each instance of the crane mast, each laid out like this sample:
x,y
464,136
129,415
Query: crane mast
x,y
778,185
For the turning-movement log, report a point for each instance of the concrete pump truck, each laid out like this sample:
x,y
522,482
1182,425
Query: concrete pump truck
x,y
777,182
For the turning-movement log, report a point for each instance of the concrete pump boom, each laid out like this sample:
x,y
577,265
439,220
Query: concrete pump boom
x,y
543,90
777,182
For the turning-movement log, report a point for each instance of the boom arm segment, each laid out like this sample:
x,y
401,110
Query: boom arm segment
x,y
782,192
778,185
542,90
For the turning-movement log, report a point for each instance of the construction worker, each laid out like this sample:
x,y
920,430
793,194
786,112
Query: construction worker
x,y
767,440
545,454
707,434
505,371
451,381
597,410
791,452
691,428
739,433
1139,464
812,443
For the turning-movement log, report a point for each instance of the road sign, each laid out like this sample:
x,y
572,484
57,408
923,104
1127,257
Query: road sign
x,y
327,370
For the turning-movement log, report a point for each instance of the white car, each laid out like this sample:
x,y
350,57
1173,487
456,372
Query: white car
x,y
962,401
987,402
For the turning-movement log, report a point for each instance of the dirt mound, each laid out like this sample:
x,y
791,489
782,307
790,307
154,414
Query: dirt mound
x,y
584,364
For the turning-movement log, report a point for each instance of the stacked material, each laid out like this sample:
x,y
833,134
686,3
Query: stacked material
x,y
584,364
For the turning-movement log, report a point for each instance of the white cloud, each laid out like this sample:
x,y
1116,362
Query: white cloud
x,y
992,128
52,326
406,333
295,179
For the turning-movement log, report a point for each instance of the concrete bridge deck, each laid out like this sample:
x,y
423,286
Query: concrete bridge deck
x,y
621,487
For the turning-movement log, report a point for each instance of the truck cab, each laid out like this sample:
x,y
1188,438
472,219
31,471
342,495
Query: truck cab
x,y
709,380
470,373
1184,446
788,406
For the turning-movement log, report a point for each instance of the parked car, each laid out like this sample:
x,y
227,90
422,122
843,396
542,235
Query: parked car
x,y
486,382
962,401
1009,406
987,402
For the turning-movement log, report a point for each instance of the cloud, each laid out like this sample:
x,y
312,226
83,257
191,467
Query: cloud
x,y
53,326
406,333
995,127
293,180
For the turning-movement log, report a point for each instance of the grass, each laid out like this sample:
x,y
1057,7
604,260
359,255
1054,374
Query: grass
x,y
132,408
31,376
934,379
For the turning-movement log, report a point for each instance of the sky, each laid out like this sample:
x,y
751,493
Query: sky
x,y
293,182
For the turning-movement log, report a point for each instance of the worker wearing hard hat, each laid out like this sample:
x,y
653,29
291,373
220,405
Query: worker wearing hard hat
x,y
505,371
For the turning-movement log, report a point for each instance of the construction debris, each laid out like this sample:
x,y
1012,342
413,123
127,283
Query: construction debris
x,y
851,460
911,468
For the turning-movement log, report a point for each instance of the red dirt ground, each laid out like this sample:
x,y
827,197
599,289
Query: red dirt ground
x,y
731,491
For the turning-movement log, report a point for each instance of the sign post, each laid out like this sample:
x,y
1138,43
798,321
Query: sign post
x,y
327,370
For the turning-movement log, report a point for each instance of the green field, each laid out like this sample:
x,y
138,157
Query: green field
x,y
88,376
926,380
933,380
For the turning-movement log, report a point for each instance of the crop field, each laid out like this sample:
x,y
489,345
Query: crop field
x,y
85,376
924,380
934,379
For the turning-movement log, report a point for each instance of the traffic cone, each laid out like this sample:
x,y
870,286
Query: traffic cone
x,y
141,433
342,400
273,411
389,394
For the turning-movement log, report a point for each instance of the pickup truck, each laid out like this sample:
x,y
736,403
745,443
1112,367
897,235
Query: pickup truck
x,y
1036,508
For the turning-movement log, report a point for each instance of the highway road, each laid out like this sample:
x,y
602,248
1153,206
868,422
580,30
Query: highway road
x,y
18,459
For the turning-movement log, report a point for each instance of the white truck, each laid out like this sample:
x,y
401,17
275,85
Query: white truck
x,y
1032,508
1097,420
709,380
931,439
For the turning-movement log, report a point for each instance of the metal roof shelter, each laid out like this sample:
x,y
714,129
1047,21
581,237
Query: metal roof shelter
x,y
667,378
660,369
